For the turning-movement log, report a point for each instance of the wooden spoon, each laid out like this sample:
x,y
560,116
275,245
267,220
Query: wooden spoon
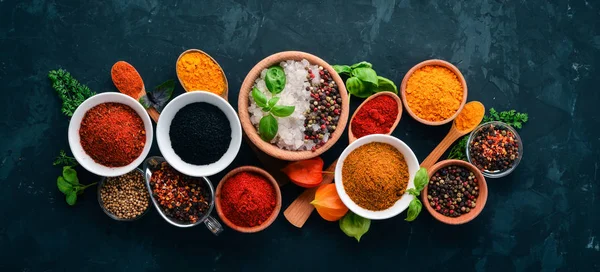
x,y
225,92
299,211
450,138
151,110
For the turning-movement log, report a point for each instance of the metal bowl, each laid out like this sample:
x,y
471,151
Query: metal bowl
x,y
101,184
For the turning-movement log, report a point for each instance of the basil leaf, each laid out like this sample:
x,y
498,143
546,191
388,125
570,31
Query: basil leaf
x,y
385,85
357,88
71,197
342,69
414,208
283,111
159,97
275,79
70,175
259,97
145,101
267,127
63,186
421,179
413,191
273,101
362,64
366,75
354,225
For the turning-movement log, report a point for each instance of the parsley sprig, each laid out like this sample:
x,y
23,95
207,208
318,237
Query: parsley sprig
x,y
71,92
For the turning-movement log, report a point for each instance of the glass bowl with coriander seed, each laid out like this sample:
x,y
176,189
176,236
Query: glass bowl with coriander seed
x,y
110,134
456,192
293,106
199,133
125,197
495,148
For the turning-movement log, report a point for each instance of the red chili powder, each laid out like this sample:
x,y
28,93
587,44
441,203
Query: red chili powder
x,y
112,134
247,199
375,117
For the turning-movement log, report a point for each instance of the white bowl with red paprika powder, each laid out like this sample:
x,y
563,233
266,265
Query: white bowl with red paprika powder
x,y
123,114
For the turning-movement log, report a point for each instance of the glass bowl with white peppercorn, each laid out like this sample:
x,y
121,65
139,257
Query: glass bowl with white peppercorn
x,y
125,197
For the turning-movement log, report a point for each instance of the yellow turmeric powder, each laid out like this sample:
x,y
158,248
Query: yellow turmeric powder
x,y
434,93
470,116
199,72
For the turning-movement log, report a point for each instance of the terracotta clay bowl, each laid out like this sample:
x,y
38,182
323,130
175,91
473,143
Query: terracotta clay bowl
x,y
353,138
481,198
265,224
252,133
225,93
434,62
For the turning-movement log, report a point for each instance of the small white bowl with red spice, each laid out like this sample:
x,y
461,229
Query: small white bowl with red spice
x,y
115,166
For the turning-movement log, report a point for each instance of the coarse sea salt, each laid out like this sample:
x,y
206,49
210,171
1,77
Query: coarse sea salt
x,y
290,134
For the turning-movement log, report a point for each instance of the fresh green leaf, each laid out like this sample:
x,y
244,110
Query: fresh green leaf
x,y
71,197
64,160
283,111
413,191
362,64
354,225
69,90
267,127
70,175
159,97
357,88
421,179
275,79
458,151
385,85
367,75
259,97
273,101
342,69
63,185
414,208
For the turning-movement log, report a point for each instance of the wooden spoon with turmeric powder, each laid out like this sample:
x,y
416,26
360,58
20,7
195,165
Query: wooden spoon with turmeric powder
x,y
466,121
299,211
128,81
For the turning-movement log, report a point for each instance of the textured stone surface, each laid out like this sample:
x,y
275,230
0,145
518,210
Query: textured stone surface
x,y
534,56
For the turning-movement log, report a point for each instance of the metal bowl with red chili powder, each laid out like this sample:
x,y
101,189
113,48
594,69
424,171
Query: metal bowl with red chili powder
x,y
248,199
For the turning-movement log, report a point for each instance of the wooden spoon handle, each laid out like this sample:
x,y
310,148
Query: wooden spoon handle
x,y
441,148
299,211
153,114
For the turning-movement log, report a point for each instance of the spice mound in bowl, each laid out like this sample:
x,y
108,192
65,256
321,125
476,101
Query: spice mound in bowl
x,y
110,134
196,70
377,116
373,174
124,198
495,148
248,199
199,133
456,192
434,92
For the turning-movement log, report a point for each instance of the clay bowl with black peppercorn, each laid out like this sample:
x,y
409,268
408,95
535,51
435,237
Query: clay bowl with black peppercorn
x,y
219,199
495,148
124,198
199,133
454,207
340,114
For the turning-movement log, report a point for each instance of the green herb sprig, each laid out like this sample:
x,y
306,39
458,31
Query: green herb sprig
x,y
415,206
354,226
69,185
275,81
69,90
511,117
64,159
363,81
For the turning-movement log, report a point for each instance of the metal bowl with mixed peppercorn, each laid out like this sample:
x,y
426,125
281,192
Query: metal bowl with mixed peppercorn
x,y
495,148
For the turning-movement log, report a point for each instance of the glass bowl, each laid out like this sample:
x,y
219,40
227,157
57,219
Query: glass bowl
x,y
101,184
495,173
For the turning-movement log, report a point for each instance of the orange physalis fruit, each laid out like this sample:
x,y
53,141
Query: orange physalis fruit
x,y
328,203
306,173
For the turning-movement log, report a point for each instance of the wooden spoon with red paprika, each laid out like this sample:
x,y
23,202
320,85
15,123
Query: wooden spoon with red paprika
x,y
128,81
299,211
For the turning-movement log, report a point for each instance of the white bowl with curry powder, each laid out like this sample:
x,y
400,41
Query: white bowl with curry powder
x,y
402,203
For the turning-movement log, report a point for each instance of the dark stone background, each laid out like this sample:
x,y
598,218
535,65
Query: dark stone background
x,y
533,56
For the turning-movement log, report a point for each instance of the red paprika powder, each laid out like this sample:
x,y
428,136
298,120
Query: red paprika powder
x,y
375,117
247,199
112,134
127,79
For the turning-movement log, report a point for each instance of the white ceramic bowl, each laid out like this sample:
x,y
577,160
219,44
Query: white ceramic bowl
x,y
402,203
75,143
164,141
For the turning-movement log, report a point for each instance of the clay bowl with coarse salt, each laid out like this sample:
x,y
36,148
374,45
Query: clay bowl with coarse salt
x,y
257,171
481,197
433,62
251,131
